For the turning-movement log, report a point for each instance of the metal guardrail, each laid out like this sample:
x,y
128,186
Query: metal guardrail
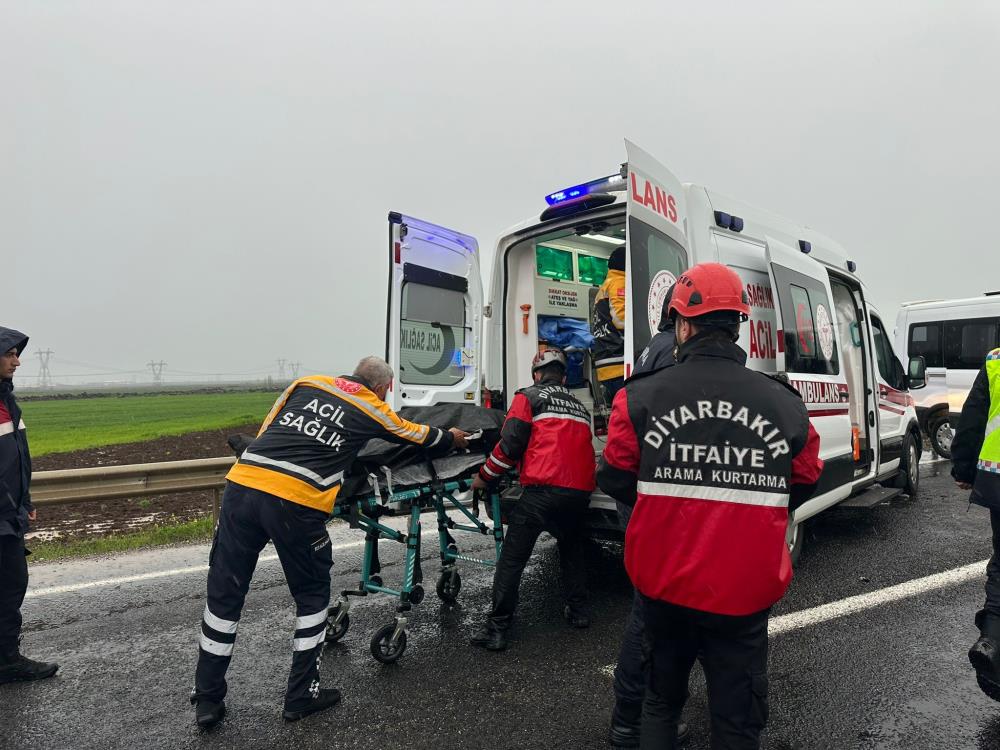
x,y
111,482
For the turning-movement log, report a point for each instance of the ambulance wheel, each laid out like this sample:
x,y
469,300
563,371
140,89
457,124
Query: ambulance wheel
x,y
383,649
908,479
336,630
795,538
448,586
417,595
941,434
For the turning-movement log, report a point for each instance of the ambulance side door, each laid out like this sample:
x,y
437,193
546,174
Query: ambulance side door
x,y
657,245
892,396
435,309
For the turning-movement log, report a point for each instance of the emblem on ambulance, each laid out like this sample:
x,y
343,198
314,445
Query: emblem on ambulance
x,y
824,330
658,289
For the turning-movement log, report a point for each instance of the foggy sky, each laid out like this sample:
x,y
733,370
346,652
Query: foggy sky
x,y
207,183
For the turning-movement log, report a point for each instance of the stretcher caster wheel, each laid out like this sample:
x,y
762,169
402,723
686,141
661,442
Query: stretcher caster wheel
x,y
417,595
383,648
448,586
336,630
375,580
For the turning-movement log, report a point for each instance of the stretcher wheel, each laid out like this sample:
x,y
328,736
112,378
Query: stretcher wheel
x,y
417,595
336,630
383,649
448,586
375,580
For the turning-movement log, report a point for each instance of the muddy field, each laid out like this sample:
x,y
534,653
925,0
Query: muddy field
x,y
81,519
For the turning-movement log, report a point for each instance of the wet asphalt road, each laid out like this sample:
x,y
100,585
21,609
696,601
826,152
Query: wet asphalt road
x,y
893,676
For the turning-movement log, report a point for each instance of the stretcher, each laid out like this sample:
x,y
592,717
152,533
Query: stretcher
x,y
364,510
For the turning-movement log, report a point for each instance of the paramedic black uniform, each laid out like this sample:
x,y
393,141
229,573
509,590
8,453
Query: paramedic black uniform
x,y
282,490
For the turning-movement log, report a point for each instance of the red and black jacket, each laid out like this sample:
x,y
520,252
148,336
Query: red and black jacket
x,y
547,436
711,455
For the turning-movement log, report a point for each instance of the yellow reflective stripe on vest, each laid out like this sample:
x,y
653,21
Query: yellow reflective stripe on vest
x,y
989,456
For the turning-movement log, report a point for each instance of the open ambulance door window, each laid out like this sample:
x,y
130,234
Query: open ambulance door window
x,y
657,246
807,341
433,330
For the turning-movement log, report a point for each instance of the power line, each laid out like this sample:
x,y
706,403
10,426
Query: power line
x,y
157,368
44,375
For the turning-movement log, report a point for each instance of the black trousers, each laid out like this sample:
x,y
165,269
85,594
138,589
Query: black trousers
x,y
630,675
558,511
248,520
13,585
733,653
988,618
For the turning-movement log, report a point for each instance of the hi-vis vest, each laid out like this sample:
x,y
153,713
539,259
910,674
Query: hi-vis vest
x,y
312,435
989,456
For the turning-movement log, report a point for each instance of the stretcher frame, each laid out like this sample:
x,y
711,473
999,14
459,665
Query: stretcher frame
x,y
363,512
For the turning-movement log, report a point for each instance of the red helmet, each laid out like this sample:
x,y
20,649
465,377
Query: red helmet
x,y
709,288
548,357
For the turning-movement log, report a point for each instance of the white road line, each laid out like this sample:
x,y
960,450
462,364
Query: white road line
x,y
861,602
68,588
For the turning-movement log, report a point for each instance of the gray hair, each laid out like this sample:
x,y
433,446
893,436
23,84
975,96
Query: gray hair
x,y
375,371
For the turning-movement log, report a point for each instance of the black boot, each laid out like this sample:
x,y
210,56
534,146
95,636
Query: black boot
x,y
626,721
493,635
327,697
208,713
575,617
985,654
17,668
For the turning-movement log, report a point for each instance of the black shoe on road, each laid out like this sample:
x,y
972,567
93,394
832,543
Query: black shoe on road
x,y
576,618
209,713
626,736
984,656
327,698
490,638
18,668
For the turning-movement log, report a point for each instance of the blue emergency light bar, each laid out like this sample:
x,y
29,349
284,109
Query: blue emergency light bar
x,y
611,183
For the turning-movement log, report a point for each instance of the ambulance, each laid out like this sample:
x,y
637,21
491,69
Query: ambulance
x,y
811,317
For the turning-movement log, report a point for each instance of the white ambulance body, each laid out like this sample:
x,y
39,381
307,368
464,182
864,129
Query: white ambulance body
x,y
810,315
954,337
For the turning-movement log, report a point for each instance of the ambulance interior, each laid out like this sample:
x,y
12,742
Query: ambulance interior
x,y
552,283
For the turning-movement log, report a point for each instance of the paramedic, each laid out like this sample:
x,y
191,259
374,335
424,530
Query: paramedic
x,y
15,513
711,455
608,351
975,453
282,489
547,436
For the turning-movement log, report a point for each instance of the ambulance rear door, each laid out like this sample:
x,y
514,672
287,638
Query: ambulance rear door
x,y
435,306
657,246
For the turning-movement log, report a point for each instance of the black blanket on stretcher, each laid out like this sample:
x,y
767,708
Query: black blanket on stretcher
x,y
399,467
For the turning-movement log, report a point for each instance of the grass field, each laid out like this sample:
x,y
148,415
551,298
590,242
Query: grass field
x,y
63,425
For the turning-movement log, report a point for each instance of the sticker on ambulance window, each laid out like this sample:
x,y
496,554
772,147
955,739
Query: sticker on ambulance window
x,y
658,289
824,330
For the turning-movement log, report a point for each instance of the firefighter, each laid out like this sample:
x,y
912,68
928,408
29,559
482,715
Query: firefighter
x,y
547,436
608,350
282,489
630,678
712,456
975,453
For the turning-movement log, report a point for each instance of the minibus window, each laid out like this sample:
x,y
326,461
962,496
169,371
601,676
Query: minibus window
x,y
651,252
553,263
432,333
925,341
967,342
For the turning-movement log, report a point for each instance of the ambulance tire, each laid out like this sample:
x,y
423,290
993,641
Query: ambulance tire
x,y
796,540
908,479
940,432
